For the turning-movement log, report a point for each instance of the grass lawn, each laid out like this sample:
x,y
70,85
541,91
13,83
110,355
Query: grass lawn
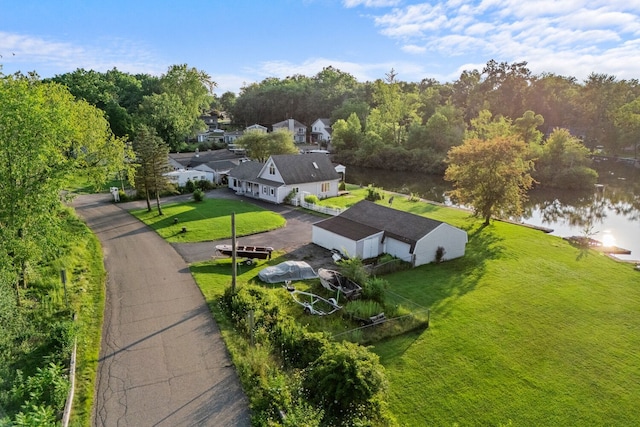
x,y
209,220
524,328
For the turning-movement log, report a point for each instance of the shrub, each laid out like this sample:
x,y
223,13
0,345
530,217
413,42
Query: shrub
x,y
48,387
342,186
124,197
312,198
198,195
298,347
373,194
353,268
345,381
190,186
205,185
440,254
373,288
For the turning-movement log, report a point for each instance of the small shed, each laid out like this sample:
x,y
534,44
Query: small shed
x,y
367,230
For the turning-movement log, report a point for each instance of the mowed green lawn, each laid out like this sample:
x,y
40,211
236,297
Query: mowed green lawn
x,y
209,220
524,329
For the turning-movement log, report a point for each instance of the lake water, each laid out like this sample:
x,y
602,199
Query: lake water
x,y
609,213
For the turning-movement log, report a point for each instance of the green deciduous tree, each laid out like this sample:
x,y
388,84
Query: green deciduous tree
x,y
174,111
152,156
260,145
46,137
564,162
491,175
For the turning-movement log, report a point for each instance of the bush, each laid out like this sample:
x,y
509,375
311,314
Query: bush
x,y
345,381
205,185
312,198
342,186
373,289
298,347
373,194
124,197
190,186
198,195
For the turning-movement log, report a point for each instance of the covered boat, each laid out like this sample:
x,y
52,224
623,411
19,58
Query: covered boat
x,y
335,281
287,271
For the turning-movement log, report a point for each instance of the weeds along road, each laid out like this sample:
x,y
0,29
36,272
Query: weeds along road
x,y
162,360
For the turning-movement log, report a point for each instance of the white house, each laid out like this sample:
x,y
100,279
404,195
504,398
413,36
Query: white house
x,y
298,130
321,130
367,230
257,128
285,174
219,169
181,176
231,136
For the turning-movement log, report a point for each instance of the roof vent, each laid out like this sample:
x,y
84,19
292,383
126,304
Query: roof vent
x,y
315,165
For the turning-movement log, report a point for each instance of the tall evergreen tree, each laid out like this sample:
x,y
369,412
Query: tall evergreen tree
x,y
153,163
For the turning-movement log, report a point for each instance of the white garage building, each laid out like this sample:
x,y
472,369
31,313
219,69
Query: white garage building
x,y
367,230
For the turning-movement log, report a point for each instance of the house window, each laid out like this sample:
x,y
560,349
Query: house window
x,y
264,190
326,186
272,169
272,192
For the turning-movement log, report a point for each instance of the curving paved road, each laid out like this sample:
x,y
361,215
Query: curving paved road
x,y
162,360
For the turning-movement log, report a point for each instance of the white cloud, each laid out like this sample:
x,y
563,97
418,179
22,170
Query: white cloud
x,y
370,3
60,57
414,49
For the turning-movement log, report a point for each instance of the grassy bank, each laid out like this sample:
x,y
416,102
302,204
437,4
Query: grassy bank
x,y
208,220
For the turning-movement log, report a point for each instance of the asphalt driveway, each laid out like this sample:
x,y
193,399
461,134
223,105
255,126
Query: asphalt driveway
x,y
162,360
294,238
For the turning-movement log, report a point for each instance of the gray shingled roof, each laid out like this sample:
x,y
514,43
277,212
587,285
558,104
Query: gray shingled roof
x,y
403,226
246,171
301,168
347,228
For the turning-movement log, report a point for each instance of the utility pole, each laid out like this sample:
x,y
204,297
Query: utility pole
x,y
234,271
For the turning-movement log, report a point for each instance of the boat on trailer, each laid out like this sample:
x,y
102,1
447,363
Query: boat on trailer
x,y
335,281
246,251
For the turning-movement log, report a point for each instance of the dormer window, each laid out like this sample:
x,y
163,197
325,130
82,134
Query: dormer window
x,y
272,169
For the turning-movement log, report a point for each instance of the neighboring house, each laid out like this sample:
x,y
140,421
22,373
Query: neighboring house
x,y
321,131
298,130
282,174
219,168
256,127
215,135
181,176
210,119
231,136
367,230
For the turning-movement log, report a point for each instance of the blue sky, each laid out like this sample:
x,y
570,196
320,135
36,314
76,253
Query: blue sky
x,y
243,41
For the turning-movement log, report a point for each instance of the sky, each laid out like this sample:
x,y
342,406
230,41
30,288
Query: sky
x,y
239,42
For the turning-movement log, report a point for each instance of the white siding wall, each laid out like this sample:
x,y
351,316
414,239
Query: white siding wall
x,y
329,240
266,172
452,239
398,249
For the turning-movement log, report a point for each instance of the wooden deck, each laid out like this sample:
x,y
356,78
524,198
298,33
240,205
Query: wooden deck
x,y
597,245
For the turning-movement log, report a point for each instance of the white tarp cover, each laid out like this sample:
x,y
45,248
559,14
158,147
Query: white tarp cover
x,y
288,270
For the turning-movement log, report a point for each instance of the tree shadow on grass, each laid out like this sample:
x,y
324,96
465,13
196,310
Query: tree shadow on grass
x,y
438,285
